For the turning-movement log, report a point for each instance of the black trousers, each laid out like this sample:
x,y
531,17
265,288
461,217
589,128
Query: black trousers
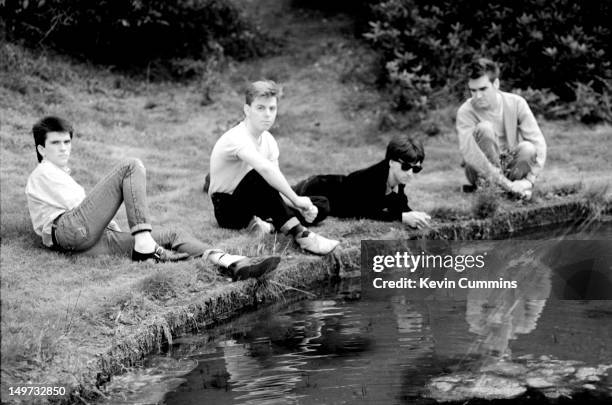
x,y
254,196
327,186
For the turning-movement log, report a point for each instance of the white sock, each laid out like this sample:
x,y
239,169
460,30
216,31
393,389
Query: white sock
x,y
221,258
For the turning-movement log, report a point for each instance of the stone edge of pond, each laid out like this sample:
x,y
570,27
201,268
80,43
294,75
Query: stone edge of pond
x,y
300,273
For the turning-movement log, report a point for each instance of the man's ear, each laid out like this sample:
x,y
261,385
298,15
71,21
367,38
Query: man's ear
x,y
41,150
246,110
496,83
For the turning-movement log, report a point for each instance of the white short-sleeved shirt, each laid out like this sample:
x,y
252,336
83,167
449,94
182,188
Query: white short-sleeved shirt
x,y
226,168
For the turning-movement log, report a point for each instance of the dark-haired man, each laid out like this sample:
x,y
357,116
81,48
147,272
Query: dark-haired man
x,y
246,183
69,220
376,192
499,138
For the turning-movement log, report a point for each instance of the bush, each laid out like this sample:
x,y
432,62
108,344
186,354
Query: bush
x,y
134,32
562,47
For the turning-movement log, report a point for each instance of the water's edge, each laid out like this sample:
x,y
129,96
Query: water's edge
x,y
237,298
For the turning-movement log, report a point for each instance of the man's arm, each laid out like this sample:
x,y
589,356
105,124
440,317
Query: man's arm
x,y
272,174
530,131
472,155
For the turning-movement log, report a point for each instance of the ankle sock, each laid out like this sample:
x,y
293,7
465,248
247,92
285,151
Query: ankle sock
x,y
299,231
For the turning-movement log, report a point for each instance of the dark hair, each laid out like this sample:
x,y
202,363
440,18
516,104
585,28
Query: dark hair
x,y
405,148
46,125
483,66
261,88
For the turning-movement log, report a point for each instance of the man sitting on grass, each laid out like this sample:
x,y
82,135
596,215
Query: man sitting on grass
x,y
499,137
246,184
68,220
376,192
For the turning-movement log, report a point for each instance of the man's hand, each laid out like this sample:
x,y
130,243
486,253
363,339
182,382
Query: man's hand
x,y
310,214
302,203
415,219
522,187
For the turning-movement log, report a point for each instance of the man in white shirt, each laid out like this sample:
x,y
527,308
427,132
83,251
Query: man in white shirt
x,y
69,220
246,181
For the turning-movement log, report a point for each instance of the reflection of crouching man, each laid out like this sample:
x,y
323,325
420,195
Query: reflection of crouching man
x,y
499,137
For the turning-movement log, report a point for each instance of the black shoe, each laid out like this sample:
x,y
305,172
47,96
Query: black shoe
x,y
159,254
469,188
253,267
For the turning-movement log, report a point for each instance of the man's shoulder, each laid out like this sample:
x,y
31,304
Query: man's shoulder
x,y
236,130
235,134
41,170
465,107
267,137
512,98
373,171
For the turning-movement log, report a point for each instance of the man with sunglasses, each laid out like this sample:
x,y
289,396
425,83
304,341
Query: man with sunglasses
x,y
376,192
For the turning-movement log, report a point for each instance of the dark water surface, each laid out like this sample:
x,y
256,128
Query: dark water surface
x,y
341,348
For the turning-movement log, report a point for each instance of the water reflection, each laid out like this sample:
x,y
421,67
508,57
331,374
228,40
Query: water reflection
x,y
348,348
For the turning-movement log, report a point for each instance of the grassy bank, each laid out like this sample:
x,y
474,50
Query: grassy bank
x,y
60,313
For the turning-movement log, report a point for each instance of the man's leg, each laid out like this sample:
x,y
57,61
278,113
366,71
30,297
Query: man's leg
x,y
486,140
325,191
255,197
520,161
80,228
240,267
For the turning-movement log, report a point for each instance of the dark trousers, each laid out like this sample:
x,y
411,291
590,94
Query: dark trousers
x,y
255,197
326,187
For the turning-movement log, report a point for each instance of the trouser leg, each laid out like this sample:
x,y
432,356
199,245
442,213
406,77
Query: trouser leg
x,y
486,140
325,191
80,228
122,243
519,162
252,197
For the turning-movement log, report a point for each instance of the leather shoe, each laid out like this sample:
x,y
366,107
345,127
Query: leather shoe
x,y
160,255
253,267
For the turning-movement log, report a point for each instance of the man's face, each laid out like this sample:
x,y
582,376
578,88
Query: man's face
x,y
401,172
261,113
57,148
484,92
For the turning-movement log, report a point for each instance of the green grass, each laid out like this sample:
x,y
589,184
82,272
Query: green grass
x,y
58,312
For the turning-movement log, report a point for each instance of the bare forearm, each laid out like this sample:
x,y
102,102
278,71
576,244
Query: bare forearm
x,y
275,178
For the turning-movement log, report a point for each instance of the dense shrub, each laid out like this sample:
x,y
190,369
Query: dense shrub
x,y
133,32
560,48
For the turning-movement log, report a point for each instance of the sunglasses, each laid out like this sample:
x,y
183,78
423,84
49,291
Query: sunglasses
x,y
408,166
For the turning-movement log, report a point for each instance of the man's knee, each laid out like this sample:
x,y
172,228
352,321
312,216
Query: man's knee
x,y
133,163
484,129
526,151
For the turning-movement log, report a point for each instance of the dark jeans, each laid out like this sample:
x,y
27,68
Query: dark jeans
x,y
255,197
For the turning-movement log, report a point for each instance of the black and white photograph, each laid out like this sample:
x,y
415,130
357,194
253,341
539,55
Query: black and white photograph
x,y
256,202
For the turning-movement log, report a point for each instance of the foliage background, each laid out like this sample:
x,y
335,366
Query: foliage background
x,y
557,52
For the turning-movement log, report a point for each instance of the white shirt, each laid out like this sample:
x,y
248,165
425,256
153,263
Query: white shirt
x,y
226,168
51,191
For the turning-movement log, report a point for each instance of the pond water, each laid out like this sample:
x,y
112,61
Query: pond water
x,y
346,346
